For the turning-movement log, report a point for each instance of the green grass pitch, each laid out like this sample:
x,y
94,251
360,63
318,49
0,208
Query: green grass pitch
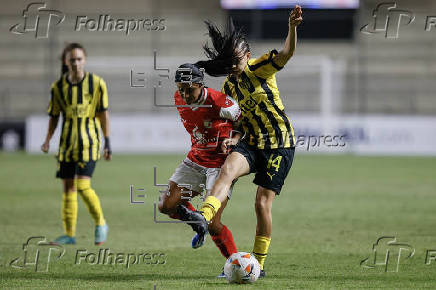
x,y
330,213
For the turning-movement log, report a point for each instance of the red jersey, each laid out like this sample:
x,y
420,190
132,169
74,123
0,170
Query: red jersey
x,y
208,126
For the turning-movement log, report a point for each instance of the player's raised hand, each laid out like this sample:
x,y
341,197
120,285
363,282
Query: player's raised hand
x,y
295,18
45,147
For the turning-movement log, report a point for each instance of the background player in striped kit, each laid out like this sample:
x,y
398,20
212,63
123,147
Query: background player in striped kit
x,y
82,99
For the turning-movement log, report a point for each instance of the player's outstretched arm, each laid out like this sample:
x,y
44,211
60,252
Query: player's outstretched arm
x,y
52,124
295,18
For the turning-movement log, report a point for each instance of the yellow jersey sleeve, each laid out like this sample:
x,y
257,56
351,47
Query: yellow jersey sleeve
x,y
265,66
223,89
103,102
54,107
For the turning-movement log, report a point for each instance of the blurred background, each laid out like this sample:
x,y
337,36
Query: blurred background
x,y
374,90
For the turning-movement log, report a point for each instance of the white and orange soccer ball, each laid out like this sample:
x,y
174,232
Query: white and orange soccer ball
x,y
242,268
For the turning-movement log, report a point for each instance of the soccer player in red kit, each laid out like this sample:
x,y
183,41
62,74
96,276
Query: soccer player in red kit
x,y
208,116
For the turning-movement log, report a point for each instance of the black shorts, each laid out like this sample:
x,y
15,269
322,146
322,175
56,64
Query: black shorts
x,y
270,165
71,169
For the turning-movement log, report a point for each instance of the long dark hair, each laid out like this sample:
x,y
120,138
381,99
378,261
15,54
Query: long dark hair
x,y
226,49
69,47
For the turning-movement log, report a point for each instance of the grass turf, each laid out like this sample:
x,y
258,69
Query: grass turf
x,y
330,213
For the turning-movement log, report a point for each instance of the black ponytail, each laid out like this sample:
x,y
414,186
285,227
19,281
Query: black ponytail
x,y
226,51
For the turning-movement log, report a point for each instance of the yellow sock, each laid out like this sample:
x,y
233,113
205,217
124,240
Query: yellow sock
x,y
69,212
209,207
91,200
260,249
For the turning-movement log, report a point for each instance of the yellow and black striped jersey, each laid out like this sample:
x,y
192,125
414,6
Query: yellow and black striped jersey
x,y
81,131
263,117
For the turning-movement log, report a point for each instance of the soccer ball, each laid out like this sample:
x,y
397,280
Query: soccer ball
x,y
241,268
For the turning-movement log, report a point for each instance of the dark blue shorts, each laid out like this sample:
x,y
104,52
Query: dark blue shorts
x,y
71,169
271,166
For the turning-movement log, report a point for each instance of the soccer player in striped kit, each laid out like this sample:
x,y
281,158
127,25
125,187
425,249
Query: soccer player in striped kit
x,y
82,99
269,149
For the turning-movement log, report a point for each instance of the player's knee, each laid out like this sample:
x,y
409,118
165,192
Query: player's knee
x,y
166,206
227,173
83,184
70,190
262,205
69,186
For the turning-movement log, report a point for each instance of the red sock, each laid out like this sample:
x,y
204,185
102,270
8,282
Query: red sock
x,y
176,216
189,205
224,241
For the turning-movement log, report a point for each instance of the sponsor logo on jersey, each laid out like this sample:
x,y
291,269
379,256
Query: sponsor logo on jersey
x,y
207,124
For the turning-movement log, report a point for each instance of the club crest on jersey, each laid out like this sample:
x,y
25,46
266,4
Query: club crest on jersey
x,y
198,135
207,124
201,138
247,105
